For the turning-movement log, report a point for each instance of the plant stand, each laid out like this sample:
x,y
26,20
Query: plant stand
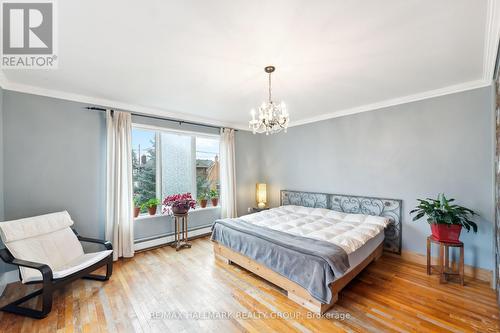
x,y
181,232
444,267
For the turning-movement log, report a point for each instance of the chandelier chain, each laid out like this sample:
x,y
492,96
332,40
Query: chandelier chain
x,y
270,99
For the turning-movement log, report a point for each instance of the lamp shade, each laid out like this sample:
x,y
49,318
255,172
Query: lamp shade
x,y
261,194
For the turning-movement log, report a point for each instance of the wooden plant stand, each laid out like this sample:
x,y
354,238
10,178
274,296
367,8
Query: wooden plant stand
x,y
445,267
181,232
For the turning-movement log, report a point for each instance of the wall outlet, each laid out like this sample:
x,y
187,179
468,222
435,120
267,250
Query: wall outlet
x,y
249,209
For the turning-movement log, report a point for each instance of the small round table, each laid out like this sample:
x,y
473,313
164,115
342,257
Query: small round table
x,y
181,232
444,267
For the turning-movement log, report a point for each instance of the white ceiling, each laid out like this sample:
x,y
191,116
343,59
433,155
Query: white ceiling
x,y
203,60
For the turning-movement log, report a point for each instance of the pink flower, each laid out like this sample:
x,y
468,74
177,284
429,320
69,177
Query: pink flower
x,y
184,200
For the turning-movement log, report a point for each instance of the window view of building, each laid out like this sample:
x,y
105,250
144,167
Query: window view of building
x,y
186,163
207,166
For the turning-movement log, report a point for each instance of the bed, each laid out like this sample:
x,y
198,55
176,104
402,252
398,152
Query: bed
x,y
313,244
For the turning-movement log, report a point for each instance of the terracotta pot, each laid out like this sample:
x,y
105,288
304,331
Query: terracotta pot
x,y
137,210
215,201
152,210
446,232
203,203
180,209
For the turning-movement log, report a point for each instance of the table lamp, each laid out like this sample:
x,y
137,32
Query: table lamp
x,y
261,195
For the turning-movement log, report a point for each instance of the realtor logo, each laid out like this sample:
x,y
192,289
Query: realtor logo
x,y
28,32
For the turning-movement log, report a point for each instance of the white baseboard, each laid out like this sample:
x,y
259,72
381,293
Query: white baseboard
x,y
148,243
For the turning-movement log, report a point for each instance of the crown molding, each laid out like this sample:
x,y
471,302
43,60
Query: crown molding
x,y
491,40
396,101
112,104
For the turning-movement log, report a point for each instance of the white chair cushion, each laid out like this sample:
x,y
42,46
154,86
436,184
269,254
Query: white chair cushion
x,y
11,231
79,263
47,239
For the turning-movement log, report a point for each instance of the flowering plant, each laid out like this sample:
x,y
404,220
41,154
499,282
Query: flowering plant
x,y
178,202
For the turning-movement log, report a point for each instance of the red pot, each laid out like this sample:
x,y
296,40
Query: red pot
x,y
446,232
152,210
215,201
203,203
180,210
137,210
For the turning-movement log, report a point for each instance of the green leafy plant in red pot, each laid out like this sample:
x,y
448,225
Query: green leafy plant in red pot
x,y
203,200
446,219
137,206
214,197
152,205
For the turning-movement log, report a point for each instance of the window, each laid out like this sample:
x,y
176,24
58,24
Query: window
x,y
169,162
144,164
207,166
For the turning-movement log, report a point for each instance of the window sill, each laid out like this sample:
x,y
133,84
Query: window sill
x,y
143,217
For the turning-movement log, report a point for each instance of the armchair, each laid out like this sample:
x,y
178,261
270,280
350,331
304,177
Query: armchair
x,y
48,251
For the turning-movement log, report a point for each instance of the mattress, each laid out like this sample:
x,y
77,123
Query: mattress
x,y
356,257
349,231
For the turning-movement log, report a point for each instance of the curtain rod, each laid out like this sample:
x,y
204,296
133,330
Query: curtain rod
x,y
180,122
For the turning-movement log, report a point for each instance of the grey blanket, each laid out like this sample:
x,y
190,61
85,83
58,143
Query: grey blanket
x,y
312,264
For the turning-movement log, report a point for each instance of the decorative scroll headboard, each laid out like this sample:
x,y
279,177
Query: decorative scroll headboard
x,y
389,208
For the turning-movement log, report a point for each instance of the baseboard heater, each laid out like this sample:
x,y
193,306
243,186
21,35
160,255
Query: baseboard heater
x,y
163,239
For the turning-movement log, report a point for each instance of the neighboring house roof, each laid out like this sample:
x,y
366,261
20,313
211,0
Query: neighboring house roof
x,y
204,163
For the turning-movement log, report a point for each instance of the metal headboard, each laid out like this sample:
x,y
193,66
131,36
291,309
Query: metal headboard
x,y
390,208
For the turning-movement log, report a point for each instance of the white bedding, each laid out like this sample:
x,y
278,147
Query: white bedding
x,y
349,231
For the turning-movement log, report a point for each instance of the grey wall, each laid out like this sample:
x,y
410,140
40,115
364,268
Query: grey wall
x,y
3,267
1,160
54,153
409,151
248,169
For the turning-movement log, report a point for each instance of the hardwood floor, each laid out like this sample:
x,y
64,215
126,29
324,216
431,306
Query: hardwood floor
x,y
146,293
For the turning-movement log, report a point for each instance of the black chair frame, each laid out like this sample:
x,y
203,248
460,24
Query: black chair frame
x,y
49,284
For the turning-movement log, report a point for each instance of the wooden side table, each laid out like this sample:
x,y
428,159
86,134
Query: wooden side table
x,y
444,267
181,232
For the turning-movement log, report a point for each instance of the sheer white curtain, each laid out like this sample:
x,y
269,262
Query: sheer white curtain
x,y
119,220
227,174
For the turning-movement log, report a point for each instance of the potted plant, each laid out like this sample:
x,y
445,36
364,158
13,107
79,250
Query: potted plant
x,y
446,219
178,204
214,197
137,206
152,205
202,198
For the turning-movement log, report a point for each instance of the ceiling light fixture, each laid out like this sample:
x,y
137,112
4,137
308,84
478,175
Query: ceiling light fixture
x,y
272,117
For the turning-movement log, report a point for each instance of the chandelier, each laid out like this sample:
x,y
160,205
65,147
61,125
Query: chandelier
x,y
272,118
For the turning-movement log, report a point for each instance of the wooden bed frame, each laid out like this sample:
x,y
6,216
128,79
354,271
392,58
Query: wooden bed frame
x,y
295,292
389,208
